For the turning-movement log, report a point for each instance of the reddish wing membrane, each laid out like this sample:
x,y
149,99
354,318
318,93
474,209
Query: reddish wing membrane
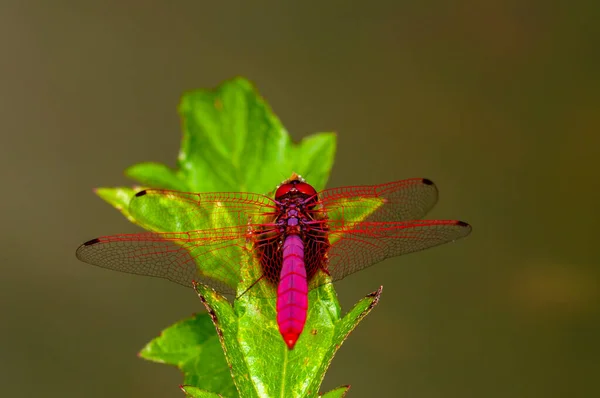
x,y
173,255
210,231
163,210
359,240
400,200
200,238
367,243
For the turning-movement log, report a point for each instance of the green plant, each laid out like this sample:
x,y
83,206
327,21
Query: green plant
x,y
233,142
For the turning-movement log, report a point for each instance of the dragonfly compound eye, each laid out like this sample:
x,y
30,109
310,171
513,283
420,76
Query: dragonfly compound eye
x,y
305,188
283,190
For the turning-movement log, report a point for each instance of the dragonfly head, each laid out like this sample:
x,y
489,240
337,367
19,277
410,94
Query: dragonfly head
x,y
294,187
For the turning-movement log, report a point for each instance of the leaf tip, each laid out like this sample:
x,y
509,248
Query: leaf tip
x,y
339,392
182,387
142,354
376,295
243,81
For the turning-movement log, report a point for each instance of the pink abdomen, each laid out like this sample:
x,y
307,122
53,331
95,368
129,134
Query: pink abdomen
x,y
292,292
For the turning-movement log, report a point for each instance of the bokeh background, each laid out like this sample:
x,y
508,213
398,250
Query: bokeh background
x,y
496,101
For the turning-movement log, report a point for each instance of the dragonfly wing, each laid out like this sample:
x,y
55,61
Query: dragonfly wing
x,y
213,256
163,210
364,244
395,201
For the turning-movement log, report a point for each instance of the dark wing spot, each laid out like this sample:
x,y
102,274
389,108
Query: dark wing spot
x,y
462,224
141,193
91,242
427,181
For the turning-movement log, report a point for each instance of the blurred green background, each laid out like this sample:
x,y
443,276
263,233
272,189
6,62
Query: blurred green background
x,y
496,101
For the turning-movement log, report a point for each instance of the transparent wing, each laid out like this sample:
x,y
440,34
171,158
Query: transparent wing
x,y
173,211
210,231
213,257
209,237
395,201
367,243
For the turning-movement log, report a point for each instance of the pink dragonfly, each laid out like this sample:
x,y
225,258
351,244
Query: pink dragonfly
x,y
293,236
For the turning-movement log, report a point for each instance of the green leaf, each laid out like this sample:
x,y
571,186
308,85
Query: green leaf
x,y
339,392
260,361
343,327
192,346
358,312
119,198
313,158
233,142
225,321
156,175
231,138
196,392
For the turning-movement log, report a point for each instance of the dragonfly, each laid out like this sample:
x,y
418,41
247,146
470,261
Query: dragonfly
x,y
294,236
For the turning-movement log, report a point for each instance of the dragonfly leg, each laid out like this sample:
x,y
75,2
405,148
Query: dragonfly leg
x,y
251,286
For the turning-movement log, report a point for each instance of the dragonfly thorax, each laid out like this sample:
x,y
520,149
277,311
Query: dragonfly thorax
x,y
292,214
